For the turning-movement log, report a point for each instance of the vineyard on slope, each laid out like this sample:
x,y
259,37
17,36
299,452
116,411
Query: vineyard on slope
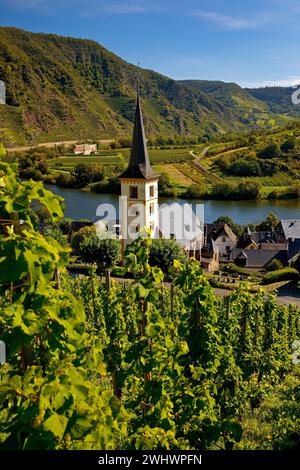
x,y
94,365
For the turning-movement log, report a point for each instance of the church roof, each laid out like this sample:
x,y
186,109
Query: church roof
x,y
139,163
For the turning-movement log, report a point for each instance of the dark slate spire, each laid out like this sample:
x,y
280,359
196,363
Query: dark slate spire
x,y
139,164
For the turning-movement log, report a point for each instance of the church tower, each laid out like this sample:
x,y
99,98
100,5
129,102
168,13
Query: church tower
x,y
139,187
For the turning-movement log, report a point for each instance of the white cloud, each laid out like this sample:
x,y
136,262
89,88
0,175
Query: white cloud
x,y
90,8
225,21
285,82
119,7
122,8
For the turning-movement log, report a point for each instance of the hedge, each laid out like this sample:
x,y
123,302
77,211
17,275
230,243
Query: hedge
x,y
233,268
286,274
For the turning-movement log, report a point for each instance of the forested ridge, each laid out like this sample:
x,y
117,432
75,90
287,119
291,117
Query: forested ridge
x,y
61,88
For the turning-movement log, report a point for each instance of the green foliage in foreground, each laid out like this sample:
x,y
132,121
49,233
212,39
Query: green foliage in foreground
x,y
99,366
275,424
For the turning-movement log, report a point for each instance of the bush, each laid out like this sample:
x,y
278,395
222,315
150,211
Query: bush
x,y
286,274
65,180
31,173
50,179
291,193
270,151
78,237
110,186
288,145
274,265
233,268
245,167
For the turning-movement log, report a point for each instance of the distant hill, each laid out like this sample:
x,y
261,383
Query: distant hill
x,y
278,99
61,88
242,106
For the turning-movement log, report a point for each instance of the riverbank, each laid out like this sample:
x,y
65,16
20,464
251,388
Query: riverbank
x,y
82,204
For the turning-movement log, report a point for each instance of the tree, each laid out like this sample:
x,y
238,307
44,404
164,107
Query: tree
x,y
91,249
164,182
85,174
236,192
245,167
163,253
194,191
108,253
274,265
225,219
288,145
270,151
105,252
78,237
65,180
269,224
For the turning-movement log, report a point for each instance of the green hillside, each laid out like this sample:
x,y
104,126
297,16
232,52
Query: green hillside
x,y
61,88
278,99
245,107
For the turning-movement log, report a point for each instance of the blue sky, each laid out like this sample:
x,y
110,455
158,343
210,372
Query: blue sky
x,y
249,42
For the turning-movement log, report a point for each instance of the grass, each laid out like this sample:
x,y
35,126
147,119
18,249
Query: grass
x,y
71,162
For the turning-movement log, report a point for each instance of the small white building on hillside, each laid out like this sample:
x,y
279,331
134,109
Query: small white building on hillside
x,y
85,149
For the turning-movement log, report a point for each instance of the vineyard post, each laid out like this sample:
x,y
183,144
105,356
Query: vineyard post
x,y
57,278
172,300
93,295
107,279
227,304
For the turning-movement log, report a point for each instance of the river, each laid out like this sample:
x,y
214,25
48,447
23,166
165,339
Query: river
x,y
82,205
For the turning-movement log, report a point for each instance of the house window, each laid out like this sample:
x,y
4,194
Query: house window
x,y
137,229
152,226
223,239
172,236
152,190
133,192
151,209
